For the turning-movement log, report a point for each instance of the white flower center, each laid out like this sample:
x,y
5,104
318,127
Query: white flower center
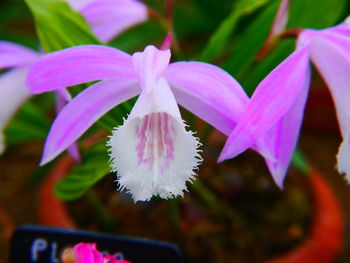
x,y
155,135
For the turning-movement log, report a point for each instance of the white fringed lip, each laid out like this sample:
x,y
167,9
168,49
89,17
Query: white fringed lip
x,y
154,155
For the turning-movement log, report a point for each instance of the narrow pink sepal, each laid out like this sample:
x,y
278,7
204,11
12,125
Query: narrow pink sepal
x,y
270,101
333,62
109,18
341,42
339,35
342,29
211,94
62,98
14,55
284,135
13,93
208,92
167,42
78,65
85,109
74,152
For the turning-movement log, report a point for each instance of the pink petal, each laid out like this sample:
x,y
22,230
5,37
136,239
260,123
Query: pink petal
x,y
78,65
85,109
109,18
13,93
341,41
112,259
339,34
208,92
150,66
284,135
14,55
271,100
333,62
87,253
342,29
211,94
74,152
62,98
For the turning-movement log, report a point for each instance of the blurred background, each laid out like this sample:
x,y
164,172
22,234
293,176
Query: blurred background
x,y
233,212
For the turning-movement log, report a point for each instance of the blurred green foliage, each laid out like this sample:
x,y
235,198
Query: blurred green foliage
x,y
31,123
94,166
218,40
58,26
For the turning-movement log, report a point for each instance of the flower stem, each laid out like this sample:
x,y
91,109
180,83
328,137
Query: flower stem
x,y
205,194
271,43
300,162
167,25
174,213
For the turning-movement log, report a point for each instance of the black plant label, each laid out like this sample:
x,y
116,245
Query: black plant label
x,y
36,244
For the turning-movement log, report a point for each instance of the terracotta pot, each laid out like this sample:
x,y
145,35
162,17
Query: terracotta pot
x,y
327,231
52,211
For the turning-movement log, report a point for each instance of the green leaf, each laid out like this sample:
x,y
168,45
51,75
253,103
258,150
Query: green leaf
x,y
316,14
135,38
15,24
115,117
191,19
250,41
206,195
95,165
58,26
220,38
30,123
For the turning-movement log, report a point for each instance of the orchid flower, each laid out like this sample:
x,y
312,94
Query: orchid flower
x,y
13,90
277,105
109,18
151,152
88,253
